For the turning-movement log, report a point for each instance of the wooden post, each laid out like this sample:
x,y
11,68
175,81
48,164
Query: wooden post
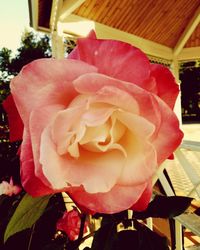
x,y
175,70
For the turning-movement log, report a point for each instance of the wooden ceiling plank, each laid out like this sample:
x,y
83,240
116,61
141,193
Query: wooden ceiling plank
x,y
89,8
141,19
116,11
98,8
111,14
68,7
123,18
195,36
104,7
195,20
132,16
83,8
143,25
126,8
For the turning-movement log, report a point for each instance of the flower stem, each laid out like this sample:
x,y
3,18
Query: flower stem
x,y
31,237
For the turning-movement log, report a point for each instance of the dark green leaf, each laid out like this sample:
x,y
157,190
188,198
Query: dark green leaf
x,y
127,239
165,207
149,240
105,237
197,211
27,213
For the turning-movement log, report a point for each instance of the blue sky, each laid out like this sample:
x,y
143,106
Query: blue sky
x,y
14,17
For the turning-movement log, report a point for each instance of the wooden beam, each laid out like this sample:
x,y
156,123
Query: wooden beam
x,y
55,9
68,7
78,26
34,13
195,20
189,54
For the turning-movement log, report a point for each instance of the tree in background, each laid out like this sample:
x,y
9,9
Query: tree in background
x,y
190,91
33,46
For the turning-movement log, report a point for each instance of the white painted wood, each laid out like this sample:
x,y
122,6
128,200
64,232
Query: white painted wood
x,y
34,7
195,20
68,7
79,27
58,47
178,235
188,54
191,145
55,10
190,171
177,107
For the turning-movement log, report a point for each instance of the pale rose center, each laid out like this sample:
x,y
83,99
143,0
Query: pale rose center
x,y
97,145
98,128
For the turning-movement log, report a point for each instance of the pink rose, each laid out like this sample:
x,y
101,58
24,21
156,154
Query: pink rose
x,y
8,188
96,125
70,223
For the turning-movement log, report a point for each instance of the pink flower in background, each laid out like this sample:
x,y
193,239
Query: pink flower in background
x,y
8,188
96,125
70,223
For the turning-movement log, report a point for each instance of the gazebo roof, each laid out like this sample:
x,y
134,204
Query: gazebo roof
x,y
170,23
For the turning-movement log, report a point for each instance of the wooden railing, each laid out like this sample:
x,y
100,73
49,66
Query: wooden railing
x,y
191,167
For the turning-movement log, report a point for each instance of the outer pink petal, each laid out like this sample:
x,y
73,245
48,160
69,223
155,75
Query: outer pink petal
x,y
169,135
143,201
15,122
32,184
44,115
118,199
115,58
167,88
31,84
75,52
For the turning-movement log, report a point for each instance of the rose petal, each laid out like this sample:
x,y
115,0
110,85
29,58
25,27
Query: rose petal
x,y
143,201
135,99
111,202
125,61
168,135
33,185
151,107
75,52
44,115
37,77
90,169
167,89
141,159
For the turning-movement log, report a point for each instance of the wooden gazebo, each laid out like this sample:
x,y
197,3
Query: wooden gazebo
x,y
167,29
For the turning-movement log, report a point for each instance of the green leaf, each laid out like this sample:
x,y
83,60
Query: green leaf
x,y
165,207
27,213
106,236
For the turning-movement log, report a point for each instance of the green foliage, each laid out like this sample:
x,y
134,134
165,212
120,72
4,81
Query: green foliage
x,y
33,46
27,213
165,207
190,90
105,236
